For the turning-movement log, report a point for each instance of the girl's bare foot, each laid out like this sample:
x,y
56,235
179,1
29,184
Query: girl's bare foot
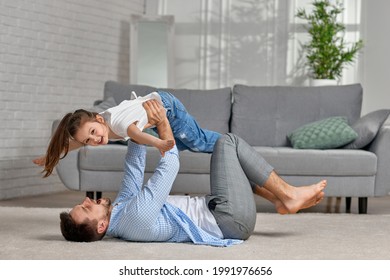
x,y
165,145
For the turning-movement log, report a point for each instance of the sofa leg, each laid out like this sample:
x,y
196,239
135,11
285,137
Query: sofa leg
x,y
348,204
363,205
94,195
90,195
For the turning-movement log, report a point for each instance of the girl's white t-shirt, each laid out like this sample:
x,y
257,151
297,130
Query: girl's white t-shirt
x,y
120,117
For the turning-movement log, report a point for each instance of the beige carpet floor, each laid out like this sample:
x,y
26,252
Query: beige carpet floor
x,y
34,234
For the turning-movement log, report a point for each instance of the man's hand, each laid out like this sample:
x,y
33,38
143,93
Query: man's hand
x,y
157,116
155,111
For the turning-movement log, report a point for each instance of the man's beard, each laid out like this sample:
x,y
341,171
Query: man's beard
x,y
107,204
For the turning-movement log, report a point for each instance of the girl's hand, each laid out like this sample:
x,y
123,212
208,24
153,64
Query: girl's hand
x,y
40,161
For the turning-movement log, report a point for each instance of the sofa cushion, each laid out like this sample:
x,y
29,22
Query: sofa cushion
x,y
211,108
286,160
329,133
264,115
112,158
332,162
367,127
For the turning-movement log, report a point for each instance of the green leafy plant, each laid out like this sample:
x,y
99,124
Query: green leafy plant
x,y
327,53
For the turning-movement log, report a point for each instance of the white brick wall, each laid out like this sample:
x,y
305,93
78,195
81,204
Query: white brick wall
x,y
55,56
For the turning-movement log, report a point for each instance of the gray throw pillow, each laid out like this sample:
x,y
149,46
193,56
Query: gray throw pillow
x,y
328,133
367,128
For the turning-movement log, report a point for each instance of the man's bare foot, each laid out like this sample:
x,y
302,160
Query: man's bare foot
x,y
279,206
299,198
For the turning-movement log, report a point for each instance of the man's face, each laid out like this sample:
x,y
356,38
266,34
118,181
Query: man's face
x,y
93,133
90,209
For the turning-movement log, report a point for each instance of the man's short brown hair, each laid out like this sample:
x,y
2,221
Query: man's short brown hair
x,y
84,232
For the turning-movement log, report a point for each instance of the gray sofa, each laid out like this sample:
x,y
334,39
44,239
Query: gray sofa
x,y
263,116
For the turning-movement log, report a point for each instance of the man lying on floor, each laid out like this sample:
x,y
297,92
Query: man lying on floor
x,y
225,217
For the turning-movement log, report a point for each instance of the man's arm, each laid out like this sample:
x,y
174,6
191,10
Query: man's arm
x,y
134,169
154,194
149,200
146,201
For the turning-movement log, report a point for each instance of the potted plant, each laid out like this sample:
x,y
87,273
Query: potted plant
x,y
327,53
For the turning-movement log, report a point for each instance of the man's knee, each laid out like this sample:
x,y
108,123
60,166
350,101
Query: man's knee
x,y
227,138
235,229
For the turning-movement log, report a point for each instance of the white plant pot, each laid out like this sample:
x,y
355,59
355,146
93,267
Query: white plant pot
x,y
323,82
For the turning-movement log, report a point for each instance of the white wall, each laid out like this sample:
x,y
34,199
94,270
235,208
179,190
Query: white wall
x,y
376,71
55,56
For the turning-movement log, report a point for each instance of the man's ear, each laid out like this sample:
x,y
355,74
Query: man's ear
x,y
102,226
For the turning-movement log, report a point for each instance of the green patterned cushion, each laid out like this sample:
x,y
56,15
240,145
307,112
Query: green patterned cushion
x,y
329,133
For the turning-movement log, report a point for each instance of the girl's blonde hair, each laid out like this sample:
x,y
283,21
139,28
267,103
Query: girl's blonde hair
x,y
66,130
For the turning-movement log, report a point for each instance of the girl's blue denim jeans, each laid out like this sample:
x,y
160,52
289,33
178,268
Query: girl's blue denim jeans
x,y
187,132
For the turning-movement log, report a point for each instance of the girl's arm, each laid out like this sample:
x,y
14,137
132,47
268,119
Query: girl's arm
x,y
141,137
144,138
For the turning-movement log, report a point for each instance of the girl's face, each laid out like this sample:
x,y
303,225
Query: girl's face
x,y
93,133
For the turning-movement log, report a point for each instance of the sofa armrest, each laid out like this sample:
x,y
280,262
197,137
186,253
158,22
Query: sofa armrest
x,y
68,172
67,168
381,147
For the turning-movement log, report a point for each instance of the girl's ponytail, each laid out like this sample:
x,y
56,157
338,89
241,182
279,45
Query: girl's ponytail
x,y
59,144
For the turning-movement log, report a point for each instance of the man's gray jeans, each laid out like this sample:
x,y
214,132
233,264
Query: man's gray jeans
x,y
235,167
